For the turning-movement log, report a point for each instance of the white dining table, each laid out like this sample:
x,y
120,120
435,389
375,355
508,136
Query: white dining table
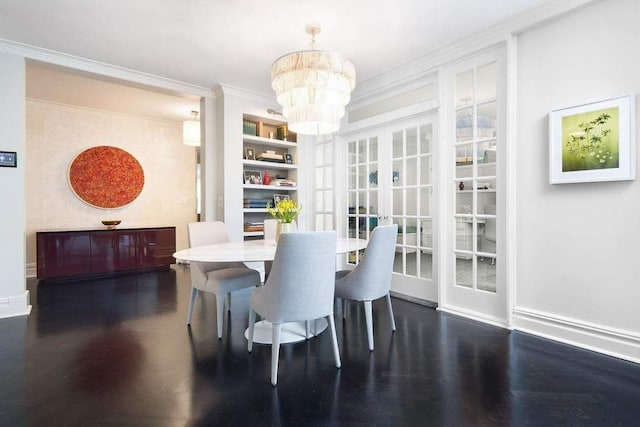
x,y
262,251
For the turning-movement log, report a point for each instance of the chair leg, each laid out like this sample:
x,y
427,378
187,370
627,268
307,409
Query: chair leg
x,y
334,338
344,308
369,321
307,329
275,352
228,301
219,312
252,324
393,322
192,300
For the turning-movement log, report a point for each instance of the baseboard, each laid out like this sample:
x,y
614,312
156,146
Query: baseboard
x,y
473,315
17,305
591,336
415,300
31,270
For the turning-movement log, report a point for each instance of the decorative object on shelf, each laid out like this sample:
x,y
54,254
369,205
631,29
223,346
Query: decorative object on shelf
x,y
111,223
106,177
249,153
461,186
249,128
281,133
313,86
288,158
593,142
266,179
191,131
252,177
279,197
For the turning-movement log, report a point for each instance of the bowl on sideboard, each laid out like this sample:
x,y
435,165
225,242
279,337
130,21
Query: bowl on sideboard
x,y
111,223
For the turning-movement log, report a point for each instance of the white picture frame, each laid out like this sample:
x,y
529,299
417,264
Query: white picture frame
x,y
593,142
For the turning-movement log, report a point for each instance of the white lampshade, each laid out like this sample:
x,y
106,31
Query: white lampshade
x,y
191,133
313,87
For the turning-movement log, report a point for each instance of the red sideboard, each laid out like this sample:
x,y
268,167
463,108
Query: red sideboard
x,y
66,254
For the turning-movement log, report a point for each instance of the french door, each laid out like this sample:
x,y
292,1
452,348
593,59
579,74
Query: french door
x,y
474,283
390,174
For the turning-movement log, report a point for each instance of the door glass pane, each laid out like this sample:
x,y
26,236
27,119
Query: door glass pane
x,y
426,135
328,177
373,201
397,202
487,274
319,177
464,156
328,200
320,222
398,265
411,177
426,264
464,124
373,149
397,142
464,235
328,222
373,175
464,271
319,201
363,202
412,142
425,170
398,173
351,154
362,151
464,88
486,82
426,201
486,121
411,202
351,171
426,233
464,199
362,176
412,262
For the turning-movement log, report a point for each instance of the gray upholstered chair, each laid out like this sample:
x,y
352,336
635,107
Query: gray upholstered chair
x,y
300,288
371,278
218,278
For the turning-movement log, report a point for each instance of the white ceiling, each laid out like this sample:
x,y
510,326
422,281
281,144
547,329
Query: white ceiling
x,y
205,42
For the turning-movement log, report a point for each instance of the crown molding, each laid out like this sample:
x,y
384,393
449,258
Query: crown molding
x,y
103,69
476,43
227,89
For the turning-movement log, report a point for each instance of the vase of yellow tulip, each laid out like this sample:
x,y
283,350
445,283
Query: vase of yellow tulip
x,y
285,212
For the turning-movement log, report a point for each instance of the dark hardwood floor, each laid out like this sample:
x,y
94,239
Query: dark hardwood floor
x,y
117,352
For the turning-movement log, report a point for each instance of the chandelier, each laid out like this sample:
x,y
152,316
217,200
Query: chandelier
x,y
313,87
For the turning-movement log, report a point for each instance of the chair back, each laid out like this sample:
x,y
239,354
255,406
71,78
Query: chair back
x,y
300,285
208,233
373,273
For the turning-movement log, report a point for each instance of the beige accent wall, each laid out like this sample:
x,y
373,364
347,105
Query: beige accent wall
x,y
56,133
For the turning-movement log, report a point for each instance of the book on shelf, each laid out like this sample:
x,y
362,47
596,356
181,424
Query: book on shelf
x,y
254,226
257,203
283,183
270,156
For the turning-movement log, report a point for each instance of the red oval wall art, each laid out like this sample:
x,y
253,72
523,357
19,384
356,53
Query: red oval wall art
x,y
106,177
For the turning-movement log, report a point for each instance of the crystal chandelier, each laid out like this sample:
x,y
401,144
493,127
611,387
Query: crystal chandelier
x,y
313,87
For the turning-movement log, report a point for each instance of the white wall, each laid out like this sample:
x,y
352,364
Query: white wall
x,y
577,244
14,299
57,133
